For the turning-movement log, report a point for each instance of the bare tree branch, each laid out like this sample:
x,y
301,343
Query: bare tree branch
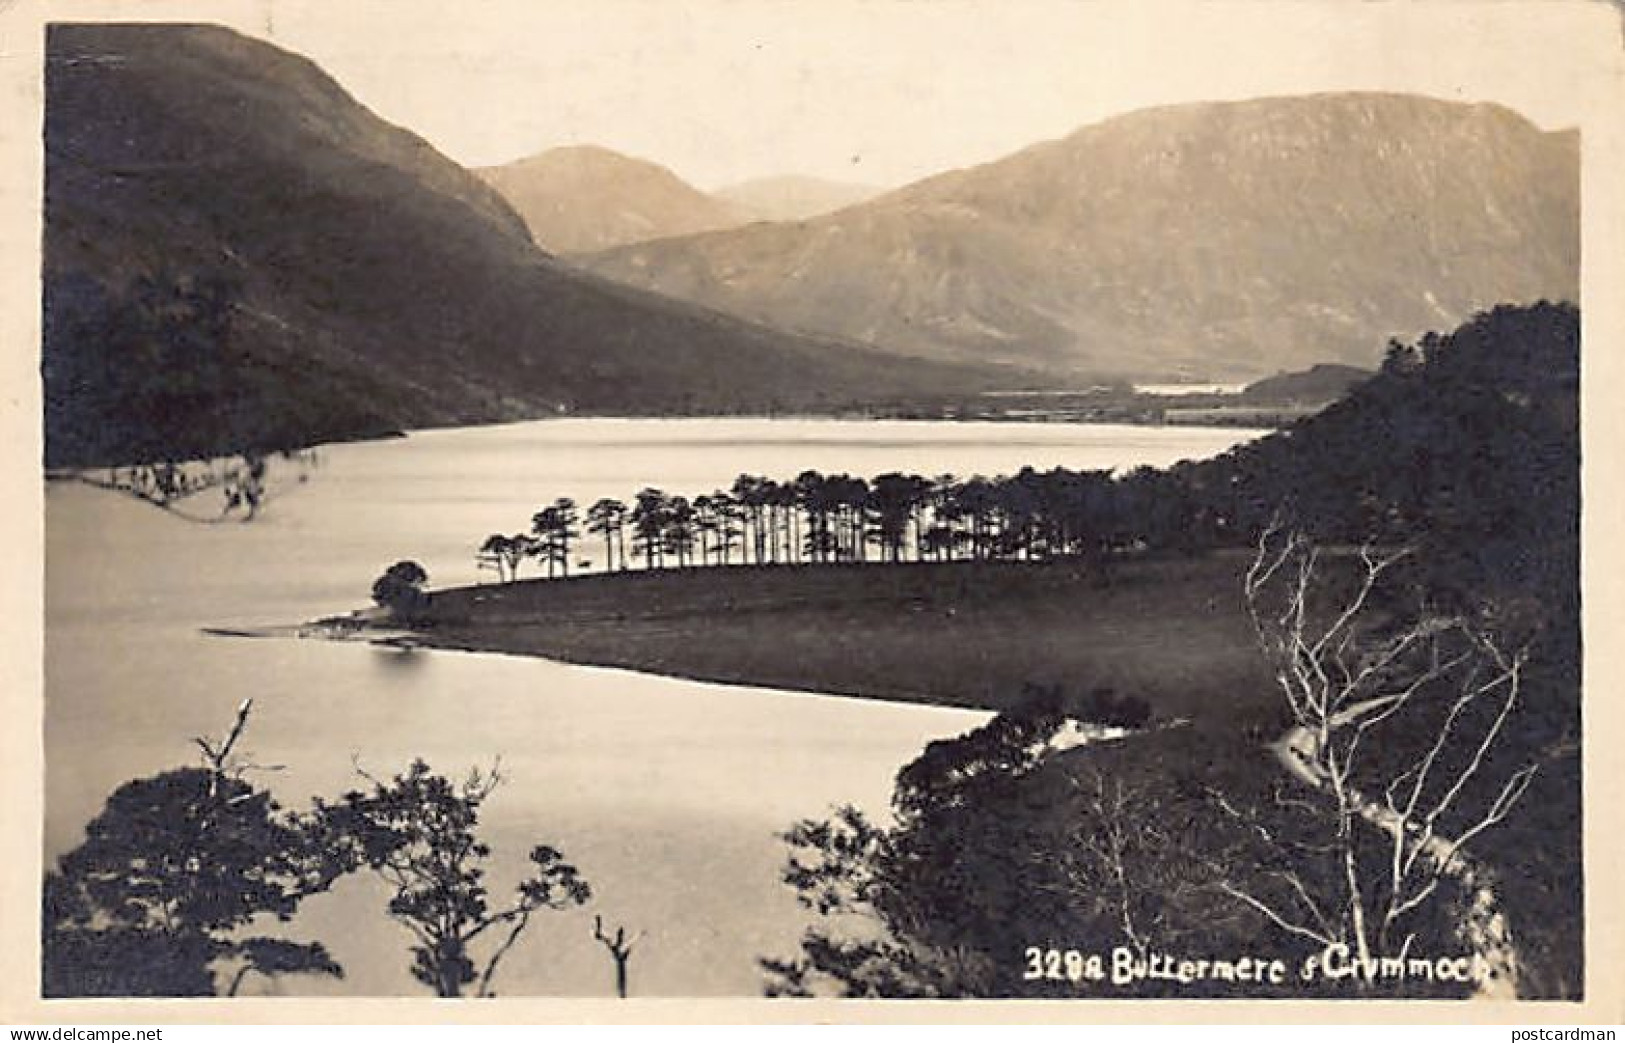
x,y
1341,683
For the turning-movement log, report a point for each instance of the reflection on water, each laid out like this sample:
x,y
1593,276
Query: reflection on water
x,y
666,793
400,660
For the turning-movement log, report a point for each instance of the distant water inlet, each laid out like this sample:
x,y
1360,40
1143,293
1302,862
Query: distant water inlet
x,y
668,794
1171,390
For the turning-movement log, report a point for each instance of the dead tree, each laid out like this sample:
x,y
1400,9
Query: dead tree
x,y
620,950
1447,688
219,759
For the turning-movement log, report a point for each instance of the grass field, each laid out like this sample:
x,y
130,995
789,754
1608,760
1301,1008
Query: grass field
x,y
1170,631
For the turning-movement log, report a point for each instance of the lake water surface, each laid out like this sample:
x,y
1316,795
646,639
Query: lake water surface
x,y
666,793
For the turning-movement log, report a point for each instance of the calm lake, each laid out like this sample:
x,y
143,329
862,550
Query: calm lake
x,y
666,793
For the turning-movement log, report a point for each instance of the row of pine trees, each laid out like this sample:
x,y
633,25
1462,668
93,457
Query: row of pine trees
x,y
827,519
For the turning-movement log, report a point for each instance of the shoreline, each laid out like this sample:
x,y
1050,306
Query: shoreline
x,y
965,635
72,472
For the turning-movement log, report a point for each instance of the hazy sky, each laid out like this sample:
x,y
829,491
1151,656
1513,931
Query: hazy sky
x,y
886,92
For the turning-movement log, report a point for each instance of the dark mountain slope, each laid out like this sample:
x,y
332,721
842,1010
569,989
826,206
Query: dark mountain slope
x,y
1215,240
239,255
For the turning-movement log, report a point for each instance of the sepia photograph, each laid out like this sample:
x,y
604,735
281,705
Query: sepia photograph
x,y
730,500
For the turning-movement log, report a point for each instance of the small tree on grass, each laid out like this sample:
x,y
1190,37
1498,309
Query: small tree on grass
x,y
419,833
171,871
504,554
607,518
400,589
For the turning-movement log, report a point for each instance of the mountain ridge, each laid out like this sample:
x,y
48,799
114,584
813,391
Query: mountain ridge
x,y
239,255
581,198
796,197
1233,238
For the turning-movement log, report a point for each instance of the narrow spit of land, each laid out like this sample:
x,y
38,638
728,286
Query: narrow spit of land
x,y
1170,631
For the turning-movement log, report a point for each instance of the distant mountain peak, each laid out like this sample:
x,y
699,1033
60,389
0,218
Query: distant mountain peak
x,y
585,157
578,198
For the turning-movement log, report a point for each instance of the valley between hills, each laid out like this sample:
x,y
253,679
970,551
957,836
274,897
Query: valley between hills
x,y
1177,633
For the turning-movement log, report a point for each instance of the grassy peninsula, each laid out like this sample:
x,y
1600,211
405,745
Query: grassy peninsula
x,y
1166,629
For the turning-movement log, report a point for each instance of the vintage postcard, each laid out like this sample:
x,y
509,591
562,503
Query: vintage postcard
x,y
796,507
